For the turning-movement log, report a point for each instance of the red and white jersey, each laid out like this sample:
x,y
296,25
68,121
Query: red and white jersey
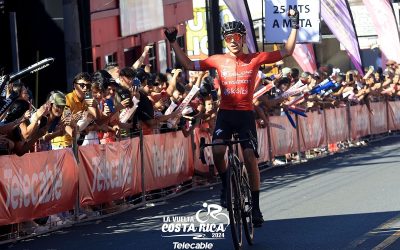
x,y
237,76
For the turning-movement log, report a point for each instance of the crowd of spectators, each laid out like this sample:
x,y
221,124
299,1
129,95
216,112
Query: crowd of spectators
x,y
117,103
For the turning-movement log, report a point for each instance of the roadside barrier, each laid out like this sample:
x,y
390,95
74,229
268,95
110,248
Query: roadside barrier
x,y
89,181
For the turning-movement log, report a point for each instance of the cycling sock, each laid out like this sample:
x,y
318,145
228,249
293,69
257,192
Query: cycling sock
x,y
223,179
255,197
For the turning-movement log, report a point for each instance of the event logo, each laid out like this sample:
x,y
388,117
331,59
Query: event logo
x,y
209,223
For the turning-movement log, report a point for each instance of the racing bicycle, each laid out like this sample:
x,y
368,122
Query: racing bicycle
x,y
239,202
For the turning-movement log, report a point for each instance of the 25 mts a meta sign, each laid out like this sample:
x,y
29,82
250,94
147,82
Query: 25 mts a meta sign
x,y
278,25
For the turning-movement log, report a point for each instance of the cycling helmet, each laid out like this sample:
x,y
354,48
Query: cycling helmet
x,y
233,27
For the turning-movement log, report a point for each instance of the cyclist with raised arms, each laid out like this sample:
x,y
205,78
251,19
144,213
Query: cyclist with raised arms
x,y
237,72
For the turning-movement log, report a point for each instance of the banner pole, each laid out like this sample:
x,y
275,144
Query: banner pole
x,y
75,151
142,164
326,131
298,138
269,140
348,121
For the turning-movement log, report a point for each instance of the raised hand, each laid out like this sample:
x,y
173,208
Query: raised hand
x,y
294,18
171,34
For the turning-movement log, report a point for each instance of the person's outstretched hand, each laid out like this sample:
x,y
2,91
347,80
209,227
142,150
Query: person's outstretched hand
x,y
170,34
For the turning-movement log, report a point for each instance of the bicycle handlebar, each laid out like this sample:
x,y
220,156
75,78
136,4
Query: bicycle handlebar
x,y
203,144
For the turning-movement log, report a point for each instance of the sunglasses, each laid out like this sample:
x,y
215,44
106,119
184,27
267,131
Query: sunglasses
x,y
235,37
83,85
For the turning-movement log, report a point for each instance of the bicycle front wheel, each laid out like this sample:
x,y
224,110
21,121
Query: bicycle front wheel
x,y
234,209
247,207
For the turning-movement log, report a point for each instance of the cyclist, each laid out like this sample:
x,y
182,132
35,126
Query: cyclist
x,y
237,73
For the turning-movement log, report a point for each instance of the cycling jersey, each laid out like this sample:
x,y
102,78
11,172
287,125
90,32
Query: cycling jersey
x,y
237,76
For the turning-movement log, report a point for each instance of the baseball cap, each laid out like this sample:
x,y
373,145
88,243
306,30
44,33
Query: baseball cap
x,y
390,62
58,99
286,71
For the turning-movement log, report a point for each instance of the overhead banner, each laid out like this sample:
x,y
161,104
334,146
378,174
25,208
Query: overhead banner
x,y
278,25
381,13
338,18
36,185
305,57
109,171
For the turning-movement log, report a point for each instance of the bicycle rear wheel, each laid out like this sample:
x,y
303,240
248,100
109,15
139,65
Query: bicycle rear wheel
x,y
247,207
233,206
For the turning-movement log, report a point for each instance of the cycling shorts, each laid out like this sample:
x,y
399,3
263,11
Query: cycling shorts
x,y
235,121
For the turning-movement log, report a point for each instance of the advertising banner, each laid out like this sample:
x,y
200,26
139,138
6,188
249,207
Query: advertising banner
x,y
378,118
282,141
312,131
109,171
337,125
36,185
278,25
360,125
168,160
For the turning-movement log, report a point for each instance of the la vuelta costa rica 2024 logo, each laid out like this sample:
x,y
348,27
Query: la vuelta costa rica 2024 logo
x,y
209,223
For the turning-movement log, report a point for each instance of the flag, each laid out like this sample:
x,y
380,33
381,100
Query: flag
x,y
337,16
385,25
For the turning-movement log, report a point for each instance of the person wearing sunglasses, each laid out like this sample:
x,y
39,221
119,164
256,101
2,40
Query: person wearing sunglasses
x,y
237,72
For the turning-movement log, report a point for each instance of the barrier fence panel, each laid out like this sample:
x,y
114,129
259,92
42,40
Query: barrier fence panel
x,y
198,165
378,118
360,125
282,140
109,171
312,131
168,160
263,150
36,185
336,125
394,115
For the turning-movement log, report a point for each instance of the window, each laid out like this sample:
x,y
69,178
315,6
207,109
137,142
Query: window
x,y
153,58
162,54
131,55
112,58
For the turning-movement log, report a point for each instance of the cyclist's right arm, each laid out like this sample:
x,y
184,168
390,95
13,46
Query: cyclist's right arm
x,y
182,57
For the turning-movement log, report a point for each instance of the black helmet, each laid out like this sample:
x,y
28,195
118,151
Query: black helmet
x,y
233,27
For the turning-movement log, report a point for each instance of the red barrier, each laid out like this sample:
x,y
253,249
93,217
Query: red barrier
x,y
109,171
378,118
337,128
263,150
360,125
168,160
282,141
312,131
36,185
198,165
394,115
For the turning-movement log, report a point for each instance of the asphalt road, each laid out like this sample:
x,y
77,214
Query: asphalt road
x,y
344,201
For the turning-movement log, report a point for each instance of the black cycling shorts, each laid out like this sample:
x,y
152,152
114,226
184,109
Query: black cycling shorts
x,y
235,121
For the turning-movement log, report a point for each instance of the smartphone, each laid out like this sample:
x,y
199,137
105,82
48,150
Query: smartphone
x,y
110,105
351,78
67,112
88,95
53,124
